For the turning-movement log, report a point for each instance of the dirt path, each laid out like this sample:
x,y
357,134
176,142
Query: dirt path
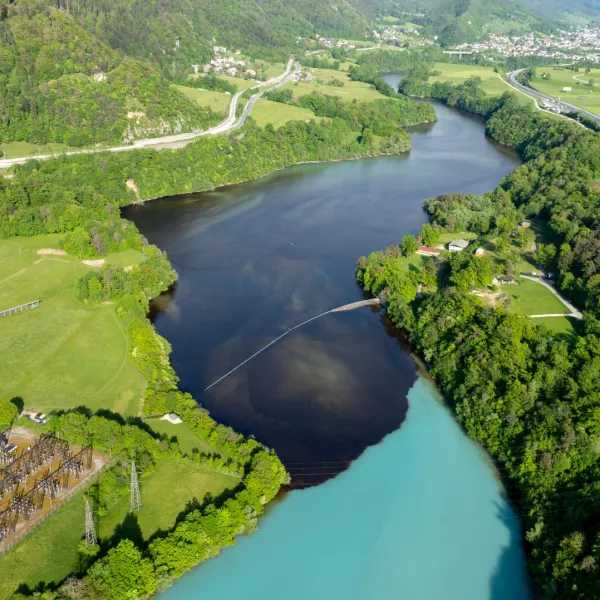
x,y
553,315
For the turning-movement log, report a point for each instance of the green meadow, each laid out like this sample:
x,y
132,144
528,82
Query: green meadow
x,y
581,94
64,353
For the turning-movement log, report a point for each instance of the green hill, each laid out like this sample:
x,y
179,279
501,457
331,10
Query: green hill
x,y
59,83
174,34
457,21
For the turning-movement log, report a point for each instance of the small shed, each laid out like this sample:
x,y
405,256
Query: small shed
x,y
525,224
566,89
458,245
479,252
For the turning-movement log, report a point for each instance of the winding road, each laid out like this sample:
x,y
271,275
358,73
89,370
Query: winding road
x,y
512,80
182,139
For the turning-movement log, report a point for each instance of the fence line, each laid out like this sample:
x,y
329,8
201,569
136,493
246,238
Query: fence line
x,y
16,309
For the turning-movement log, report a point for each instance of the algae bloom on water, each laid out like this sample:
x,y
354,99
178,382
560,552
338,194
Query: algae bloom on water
x,y
420,517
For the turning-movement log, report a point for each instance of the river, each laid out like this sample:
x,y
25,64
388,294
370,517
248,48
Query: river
x,y
417,516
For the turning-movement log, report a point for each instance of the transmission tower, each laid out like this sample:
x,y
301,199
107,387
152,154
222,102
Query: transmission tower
x,y
90,530
136,497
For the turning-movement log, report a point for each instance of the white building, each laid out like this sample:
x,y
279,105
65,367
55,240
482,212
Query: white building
x,y
458,245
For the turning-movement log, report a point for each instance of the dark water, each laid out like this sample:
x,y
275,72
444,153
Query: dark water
x,y
257,258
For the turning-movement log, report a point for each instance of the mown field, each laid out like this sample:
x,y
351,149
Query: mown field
x,y
581,94
64,353
16,149
492,84
218,101
265,111
49,553
363,92
531,298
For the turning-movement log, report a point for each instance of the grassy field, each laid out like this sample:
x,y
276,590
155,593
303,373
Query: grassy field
x,y
241,84
531,298
187,439
218,101
562,325
363,92
582,94
446,238
16,149
276,113
64,353
457,73
49,553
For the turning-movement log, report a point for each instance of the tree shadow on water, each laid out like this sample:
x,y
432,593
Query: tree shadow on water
x,y
510,580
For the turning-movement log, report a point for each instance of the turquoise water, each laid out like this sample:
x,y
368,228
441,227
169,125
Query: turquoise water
x,y
418,517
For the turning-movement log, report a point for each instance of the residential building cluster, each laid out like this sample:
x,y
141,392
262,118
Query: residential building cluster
x,y
578,44
221,64
401,34
319,39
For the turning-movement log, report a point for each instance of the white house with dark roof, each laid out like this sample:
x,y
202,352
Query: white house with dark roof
x,y
458,245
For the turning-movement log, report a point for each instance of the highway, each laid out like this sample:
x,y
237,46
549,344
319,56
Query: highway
x,y
565,106
180,140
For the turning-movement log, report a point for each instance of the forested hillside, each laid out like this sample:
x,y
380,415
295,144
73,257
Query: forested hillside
x,y
474,17
59,83
456,21
173,34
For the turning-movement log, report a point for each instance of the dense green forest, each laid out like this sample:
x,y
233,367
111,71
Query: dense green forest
x,y
174,34
59,83
532,398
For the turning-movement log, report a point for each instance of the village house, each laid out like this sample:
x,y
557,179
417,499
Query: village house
x,y
427,251
508,279
458,245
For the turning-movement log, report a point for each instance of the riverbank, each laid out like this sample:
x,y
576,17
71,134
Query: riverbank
x,y
491,363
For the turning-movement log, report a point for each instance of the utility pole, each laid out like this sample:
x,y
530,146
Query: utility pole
x,y
90,530
136,498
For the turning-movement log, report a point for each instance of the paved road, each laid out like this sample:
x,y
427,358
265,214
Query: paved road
x,y
574,312
175,141
254,98
512,79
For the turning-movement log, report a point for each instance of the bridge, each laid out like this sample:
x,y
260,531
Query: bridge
x,y
459,53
